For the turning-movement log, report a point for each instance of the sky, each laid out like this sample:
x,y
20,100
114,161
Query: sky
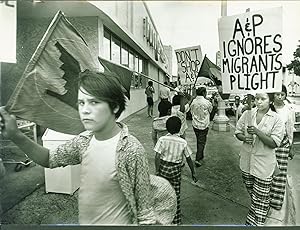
x,y
190,23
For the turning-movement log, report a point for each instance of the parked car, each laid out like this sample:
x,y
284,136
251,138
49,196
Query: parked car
x,y
297,116
296,105
210,91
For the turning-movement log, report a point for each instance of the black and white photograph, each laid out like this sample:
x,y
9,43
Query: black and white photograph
x,y
149,113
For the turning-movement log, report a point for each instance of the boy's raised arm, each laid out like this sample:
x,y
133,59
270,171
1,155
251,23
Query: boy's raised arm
x,y
9,129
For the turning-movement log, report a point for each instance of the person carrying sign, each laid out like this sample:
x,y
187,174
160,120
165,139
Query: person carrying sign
x,y
257,155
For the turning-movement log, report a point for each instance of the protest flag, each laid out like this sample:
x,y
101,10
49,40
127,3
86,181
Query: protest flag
x,y
47,91
123,74
209,70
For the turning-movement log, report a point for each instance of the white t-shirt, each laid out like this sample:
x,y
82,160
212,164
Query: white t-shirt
x,y
101,200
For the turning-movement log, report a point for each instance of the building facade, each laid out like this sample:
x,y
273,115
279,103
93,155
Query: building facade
x,y
120,31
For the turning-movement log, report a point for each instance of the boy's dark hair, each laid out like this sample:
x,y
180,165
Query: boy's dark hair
x,y
150,83
173,124
176,100
201,91
105,87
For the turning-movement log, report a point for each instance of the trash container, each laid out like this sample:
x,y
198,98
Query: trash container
x,y
63,179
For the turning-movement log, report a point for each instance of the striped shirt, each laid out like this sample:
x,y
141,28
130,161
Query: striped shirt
x,y
172,148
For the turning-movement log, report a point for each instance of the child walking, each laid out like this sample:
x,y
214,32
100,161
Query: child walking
x,y
170,150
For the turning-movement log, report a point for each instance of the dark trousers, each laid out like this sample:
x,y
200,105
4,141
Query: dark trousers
x,y
201,141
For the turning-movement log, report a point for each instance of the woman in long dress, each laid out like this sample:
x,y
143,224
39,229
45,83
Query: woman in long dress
x,y
287,115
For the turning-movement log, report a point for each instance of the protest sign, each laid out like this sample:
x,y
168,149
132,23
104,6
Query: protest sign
x,y
8,28
251,51
189,62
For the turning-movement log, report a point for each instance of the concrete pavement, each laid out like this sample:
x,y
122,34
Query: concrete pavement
x,y
218,198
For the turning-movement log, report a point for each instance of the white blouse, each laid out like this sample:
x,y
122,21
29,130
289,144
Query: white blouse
x,y
259,159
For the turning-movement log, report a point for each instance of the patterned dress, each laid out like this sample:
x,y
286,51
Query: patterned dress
x,y
282,154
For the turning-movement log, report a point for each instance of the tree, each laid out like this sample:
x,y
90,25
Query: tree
x,y
295,64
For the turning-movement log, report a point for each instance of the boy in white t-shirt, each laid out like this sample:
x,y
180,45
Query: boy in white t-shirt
x,y
115,180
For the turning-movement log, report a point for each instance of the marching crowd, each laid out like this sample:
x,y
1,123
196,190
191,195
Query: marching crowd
x,y
115,182
265,127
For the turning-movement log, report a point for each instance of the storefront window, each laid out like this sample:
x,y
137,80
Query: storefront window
x,y
136,63
106,45
131,60
140,65
116,50
124,55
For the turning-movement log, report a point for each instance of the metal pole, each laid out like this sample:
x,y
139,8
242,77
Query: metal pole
x,y
224,8
154,80
0,86
249,117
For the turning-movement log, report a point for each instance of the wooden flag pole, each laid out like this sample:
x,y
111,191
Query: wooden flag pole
x,y
135,72
0,86
249,114
149,78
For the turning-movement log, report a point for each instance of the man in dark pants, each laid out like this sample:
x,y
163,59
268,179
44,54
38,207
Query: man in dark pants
x,y
200,110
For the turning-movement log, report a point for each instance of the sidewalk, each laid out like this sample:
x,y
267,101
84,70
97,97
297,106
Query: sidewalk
x,y
218,198
294,171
